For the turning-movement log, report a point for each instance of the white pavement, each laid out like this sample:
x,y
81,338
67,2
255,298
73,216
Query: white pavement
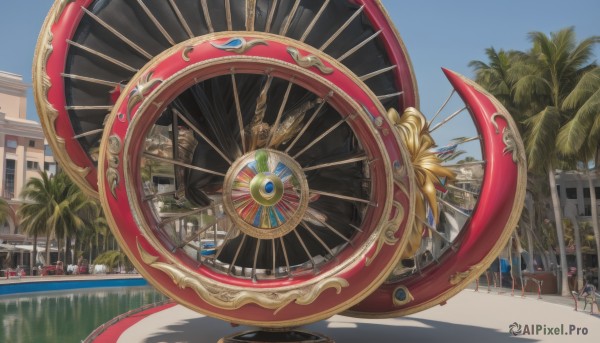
x,y
468,317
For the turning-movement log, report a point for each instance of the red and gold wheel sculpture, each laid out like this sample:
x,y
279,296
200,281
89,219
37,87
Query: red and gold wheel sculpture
x,y
264,162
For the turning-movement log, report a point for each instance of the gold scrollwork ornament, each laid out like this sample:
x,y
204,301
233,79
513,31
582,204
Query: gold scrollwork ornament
x,y
414,132
388,234
309,61
508,138
231,299
457,277
112,174
139,93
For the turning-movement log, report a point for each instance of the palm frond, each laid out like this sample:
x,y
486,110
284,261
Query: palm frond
x,y
540,142
531,88
575,133
588,84
582,53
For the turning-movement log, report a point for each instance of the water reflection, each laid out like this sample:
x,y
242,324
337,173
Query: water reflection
x,y
67,316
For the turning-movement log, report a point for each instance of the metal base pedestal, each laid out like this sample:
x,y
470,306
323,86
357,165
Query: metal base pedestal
x,y
292,336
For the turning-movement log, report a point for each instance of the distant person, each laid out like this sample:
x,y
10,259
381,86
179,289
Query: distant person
x,y
587,290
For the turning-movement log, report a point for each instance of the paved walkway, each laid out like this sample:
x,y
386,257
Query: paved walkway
x,y
469,317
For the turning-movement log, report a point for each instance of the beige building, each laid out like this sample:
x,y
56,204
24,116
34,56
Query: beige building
x,y
573,186
23,150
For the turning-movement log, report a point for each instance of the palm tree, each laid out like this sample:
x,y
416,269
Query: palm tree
x,y
55,206
557,65
102,229
580,137
4,212
89,238
37,196
75,211
112,259
32,226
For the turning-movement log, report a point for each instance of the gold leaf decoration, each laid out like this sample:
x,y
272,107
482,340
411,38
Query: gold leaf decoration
x,y
112,157
292,124
508,138
388,234
414,131
232,299
146,257
185,54
309,61
457,277
139,93
258,131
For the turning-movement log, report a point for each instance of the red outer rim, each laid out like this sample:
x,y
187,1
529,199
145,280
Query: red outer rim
x,y
405,77
361,279
488,229
63,29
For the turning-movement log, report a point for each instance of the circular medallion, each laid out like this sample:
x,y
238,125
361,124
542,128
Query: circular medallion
x,y
265,194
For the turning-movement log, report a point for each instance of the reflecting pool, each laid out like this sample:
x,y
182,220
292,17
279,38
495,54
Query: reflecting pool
x,y
67,316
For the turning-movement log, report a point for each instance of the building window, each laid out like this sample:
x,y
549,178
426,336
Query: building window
x,y
31,143
33,165
47,151
572,193
164,183
11,143
50,168
9,179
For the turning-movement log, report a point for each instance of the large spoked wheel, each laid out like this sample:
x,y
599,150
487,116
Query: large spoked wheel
x,y
244,183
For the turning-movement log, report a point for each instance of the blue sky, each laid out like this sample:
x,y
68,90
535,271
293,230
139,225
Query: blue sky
x,y
436,34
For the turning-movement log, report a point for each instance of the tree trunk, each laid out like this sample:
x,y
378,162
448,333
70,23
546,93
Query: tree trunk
x,y
578,254
48,248
58,245
594,219
105,242
564,285
68,257
572,215
32,261
530,211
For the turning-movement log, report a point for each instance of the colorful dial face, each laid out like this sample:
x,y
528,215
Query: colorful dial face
x,y
266,193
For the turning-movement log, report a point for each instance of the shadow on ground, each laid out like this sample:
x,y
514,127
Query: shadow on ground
x,y
208,330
